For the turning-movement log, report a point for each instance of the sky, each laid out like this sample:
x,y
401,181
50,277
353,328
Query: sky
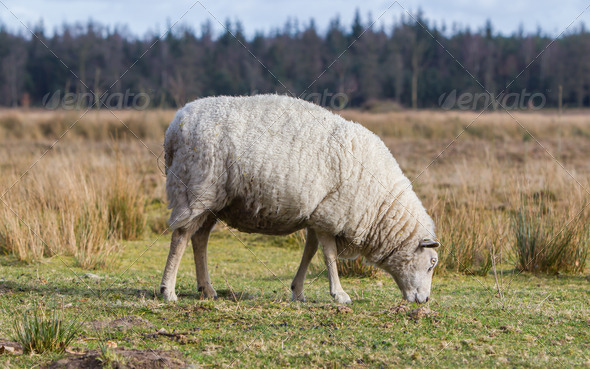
x,y
143,17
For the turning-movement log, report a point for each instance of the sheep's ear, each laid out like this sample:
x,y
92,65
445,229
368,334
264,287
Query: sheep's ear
x,y
427,242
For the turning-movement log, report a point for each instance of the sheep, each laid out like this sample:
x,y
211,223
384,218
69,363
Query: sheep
x,y
274,165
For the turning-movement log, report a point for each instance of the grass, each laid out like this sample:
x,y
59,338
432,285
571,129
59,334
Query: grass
x,y
356,268
81,203
39,333
544,244
107,357
541,323
96,201
126,205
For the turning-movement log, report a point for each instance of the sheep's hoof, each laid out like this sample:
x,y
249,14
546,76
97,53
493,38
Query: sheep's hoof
x,y
342,298
208,292
297,296
167,294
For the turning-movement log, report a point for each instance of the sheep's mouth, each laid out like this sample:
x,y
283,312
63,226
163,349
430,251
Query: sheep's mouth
x,y
418,300
421,302
413,297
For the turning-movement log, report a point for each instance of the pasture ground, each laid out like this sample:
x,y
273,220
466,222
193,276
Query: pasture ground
x,y
57,225
540,321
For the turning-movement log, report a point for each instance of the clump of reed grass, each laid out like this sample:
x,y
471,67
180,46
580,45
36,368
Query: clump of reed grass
x,y
547,242
39,333
126,205
467,235
94,241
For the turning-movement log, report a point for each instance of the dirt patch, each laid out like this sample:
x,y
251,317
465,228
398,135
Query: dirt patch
x,y
4,289
421,312
342,310
125,358
399,309
10,347
123,323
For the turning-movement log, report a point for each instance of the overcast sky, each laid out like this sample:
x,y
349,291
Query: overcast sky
x,y
142,16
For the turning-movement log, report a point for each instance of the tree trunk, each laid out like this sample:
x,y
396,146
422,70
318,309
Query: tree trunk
x,y
414,89
415,71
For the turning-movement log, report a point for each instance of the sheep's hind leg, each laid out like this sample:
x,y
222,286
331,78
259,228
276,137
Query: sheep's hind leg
x,y
311,246
330,256
177,246
199,240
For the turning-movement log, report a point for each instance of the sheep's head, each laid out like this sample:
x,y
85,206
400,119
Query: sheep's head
x,y
413,272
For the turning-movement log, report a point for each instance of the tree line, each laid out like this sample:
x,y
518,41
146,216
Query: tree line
x,y
412,62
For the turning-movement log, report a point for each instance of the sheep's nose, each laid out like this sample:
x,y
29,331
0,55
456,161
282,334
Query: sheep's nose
x,y
427,299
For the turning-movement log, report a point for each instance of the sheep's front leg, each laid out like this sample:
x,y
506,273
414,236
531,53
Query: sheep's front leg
x,y
330,255
311,247
199,240
177,246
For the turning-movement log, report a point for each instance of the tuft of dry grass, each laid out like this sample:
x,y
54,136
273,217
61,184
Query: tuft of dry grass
x,y
543,242
467,235
126,204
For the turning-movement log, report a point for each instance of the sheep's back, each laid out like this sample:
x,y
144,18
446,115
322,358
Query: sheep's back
x,y
273,164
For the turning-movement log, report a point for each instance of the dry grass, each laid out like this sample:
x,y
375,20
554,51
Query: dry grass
x,y
99,184
356,268
543,242
126,203
489,126
92,125
76,202
475,187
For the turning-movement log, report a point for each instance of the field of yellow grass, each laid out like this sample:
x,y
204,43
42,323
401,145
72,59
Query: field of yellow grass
x,y
76,182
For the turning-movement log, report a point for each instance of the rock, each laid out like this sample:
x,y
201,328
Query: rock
x,y
10,348
7,349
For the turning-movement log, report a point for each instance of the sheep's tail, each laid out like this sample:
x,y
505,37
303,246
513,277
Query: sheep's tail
x,y
170,138
176,192
175,189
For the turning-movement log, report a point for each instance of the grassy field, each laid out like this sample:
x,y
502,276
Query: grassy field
x,y
84,233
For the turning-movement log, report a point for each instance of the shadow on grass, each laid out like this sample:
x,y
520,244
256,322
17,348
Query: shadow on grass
x,y
80,290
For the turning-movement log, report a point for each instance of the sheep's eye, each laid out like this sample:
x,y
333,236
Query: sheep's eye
x,y
433,262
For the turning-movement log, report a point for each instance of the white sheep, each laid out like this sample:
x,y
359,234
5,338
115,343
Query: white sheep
x,y
274,165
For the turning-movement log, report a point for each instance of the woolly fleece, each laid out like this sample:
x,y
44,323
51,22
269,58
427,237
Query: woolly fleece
x,y
273,164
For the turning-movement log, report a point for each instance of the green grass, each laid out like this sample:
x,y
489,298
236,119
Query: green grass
x,y
38,332
542,321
